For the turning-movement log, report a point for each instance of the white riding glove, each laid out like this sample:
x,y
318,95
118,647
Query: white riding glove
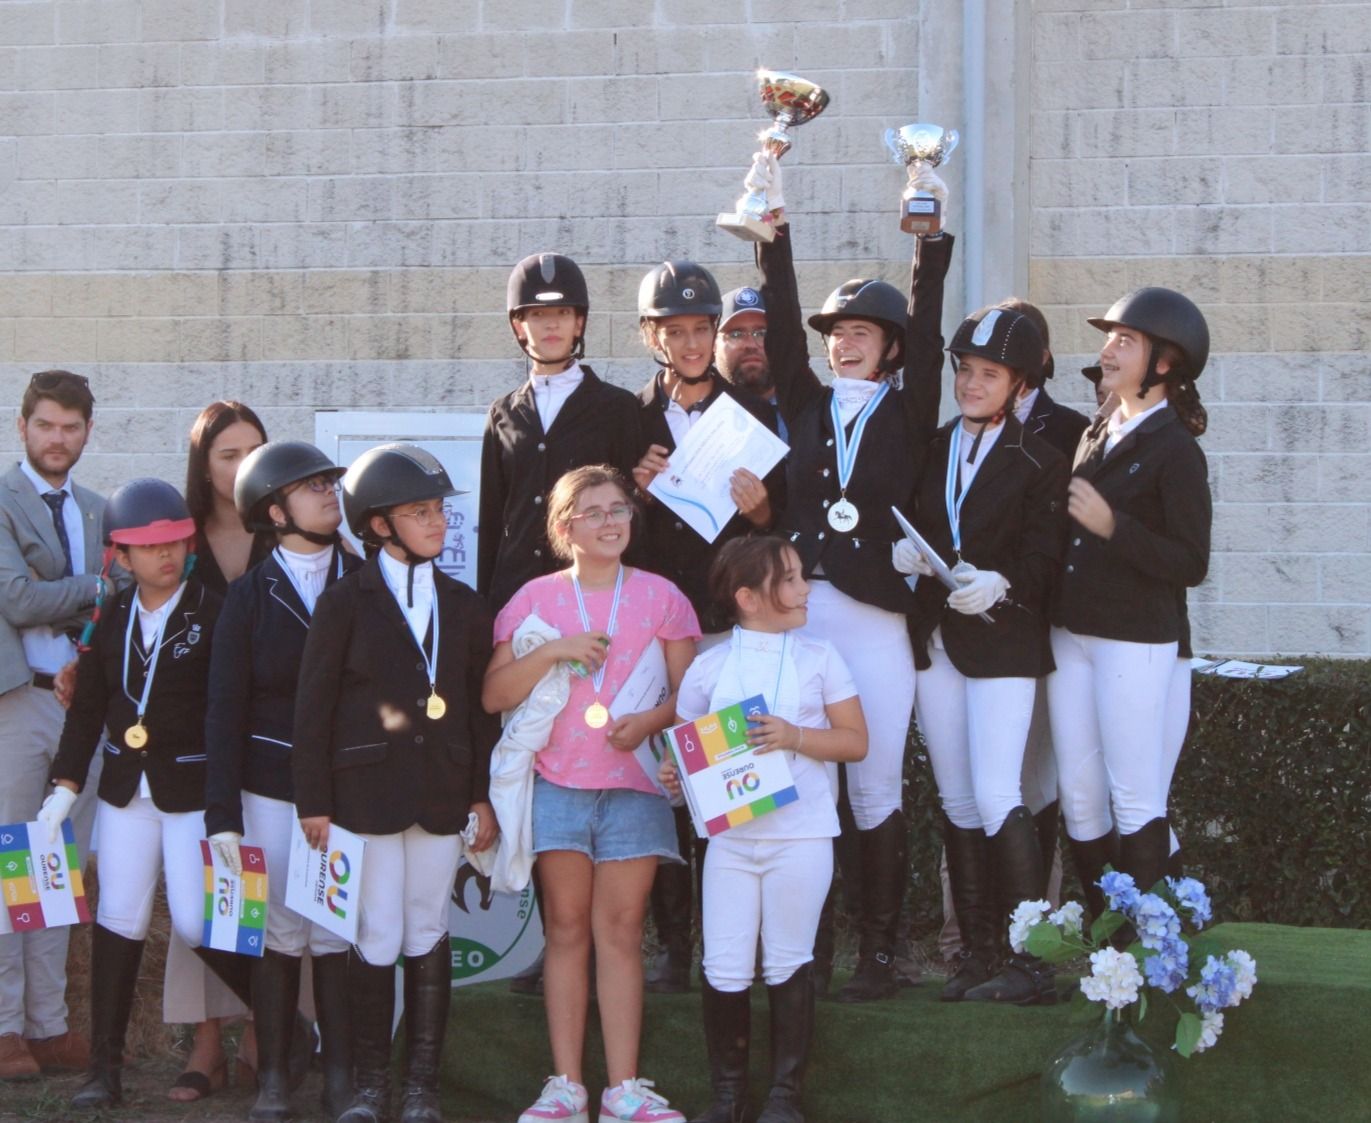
x,y
775,198
55,809
980,589
907,559
225,845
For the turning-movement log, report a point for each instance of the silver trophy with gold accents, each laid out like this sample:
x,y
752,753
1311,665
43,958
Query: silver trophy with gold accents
x,y
791,101
922,148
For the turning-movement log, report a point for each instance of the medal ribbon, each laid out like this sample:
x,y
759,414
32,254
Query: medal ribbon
x,y
142,703
598,678
431,662
737,641
846,450
951,498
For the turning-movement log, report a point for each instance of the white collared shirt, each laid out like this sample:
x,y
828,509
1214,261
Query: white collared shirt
x,y
149,620
1025,406
550,392
309,573
396,574
1119,427
852,394
967,468
47,651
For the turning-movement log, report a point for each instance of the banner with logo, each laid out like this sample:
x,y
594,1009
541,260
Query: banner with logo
x,y
725,781
235,904
494,935
41,881
325,885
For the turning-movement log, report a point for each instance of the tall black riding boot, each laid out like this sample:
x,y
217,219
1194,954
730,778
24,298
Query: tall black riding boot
x,y
728,1035
1023,980
968,869
335,1033
885,857
792,1032
673,897
1091,855
232,969
1045,823
113,975
372,1011
428,994
275,995
1144,853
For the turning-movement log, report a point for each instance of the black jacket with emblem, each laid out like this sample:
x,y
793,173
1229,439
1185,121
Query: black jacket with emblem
x,y
1059,425
104,705
366,755
1012,521
1129,586
895,446
249,728
597,424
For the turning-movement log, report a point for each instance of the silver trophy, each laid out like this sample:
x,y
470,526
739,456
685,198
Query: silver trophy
x,y
921,148
791,101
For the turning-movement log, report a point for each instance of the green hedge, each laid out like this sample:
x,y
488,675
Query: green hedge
x,y
1272,800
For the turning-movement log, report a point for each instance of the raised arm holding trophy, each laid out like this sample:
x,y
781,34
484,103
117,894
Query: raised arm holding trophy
x,y
922,148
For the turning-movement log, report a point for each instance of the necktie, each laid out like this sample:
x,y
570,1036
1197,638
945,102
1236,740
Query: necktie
x,y
55,500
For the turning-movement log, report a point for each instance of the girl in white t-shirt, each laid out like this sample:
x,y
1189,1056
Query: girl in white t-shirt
x,y
769,876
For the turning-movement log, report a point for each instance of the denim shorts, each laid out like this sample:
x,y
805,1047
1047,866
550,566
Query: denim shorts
x,y
604,824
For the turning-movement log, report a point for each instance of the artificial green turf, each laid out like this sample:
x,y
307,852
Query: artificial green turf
x,y
1299,1049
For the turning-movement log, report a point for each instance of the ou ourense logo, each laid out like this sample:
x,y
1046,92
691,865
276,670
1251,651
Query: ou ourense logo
x,y
335,896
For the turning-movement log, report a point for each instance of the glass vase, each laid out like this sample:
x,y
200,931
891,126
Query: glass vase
x,y
1111,1075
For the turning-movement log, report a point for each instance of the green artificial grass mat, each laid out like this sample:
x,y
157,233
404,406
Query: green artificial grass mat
x,y
1299,1049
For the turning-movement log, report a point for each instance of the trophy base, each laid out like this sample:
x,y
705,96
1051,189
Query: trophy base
x,y
746,227
921,215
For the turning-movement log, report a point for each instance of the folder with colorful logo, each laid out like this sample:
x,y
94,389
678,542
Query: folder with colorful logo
x,y
726,783
41,881
235,904
322,885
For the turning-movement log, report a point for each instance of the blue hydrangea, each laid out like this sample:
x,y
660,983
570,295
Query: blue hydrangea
x,y
1217,988
1120,890
1155,920
1167,969
1192,897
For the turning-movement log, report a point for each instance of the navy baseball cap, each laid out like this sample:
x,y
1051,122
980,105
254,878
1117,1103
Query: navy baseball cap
x,y
745,299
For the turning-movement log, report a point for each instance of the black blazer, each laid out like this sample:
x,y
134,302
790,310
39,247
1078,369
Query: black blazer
x,y
597,424
174,756
365,753
1058,425
666,544
1128,587
1012,522
249,727
897,435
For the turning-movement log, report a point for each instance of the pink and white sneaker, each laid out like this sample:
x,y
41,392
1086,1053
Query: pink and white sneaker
x,y
562,1101
633,1101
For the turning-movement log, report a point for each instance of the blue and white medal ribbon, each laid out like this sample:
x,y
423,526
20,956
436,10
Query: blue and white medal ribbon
x,y
136,735
952,499
434,707
843,515
596,715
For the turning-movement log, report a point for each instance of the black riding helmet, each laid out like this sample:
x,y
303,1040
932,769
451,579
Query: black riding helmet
x,y
1002,336
1163,315
265,471
678,288
547,280
388,475
866,299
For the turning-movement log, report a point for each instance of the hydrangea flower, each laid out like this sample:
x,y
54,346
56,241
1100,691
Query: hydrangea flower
x,y
1155,920
1217,987
1114,979
1245,975
1024,917
1167,969
1192,897
1070,917
1119,888
1209,1031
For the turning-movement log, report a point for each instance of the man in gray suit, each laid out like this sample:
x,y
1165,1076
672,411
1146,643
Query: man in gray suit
x,y
50,553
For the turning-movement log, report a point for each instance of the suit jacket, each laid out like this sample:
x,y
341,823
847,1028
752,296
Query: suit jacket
x,y
29,546
597,424
1130,586
365,753
249,727
1012,521
1058,425
669,546
892,454
103,706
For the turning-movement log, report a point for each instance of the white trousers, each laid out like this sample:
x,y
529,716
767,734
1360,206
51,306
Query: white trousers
x,y
976,730
1177,725
137,843
770,887
875,646
1108,706
269,823
407,883
1039,776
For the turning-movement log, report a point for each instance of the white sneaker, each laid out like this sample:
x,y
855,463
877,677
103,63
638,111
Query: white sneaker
x,y
562,1101
633,1101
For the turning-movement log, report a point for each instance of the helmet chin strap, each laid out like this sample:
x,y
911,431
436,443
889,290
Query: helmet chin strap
x,y
990,420
411,558
1151,378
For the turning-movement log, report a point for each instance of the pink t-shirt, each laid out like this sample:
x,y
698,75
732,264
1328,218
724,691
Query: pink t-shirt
x,y
650,607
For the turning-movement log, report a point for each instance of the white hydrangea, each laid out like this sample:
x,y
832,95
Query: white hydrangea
x,y
1114,979
1209,1031
1245,967
1070,917
1027,914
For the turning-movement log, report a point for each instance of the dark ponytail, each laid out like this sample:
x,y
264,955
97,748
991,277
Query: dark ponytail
x,y
1185,400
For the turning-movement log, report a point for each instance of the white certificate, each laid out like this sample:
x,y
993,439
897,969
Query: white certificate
x,y
325,886
696,481
645,688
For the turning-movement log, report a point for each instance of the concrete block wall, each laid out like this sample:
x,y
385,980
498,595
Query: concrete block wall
x,y
1225,150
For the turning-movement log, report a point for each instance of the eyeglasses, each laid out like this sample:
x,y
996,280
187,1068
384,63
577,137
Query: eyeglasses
x,y
596,518
320,485
737,335
56,379
424,516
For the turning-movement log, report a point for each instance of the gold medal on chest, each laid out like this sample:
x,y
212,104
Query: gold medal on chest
x,y
597,717
136,736
435,707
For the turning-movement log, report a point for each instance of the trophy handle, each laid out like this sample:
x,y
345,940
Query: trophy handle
x,y
890,138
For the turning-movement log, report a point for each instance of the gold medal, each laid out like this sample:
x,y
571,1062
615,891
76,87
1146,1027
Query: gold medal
x,y
597,717
435,707
135,736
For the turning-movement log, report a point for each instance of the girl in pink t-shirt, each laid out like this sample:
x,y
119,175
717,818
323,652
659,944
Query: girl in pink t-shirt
x,y
600,826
